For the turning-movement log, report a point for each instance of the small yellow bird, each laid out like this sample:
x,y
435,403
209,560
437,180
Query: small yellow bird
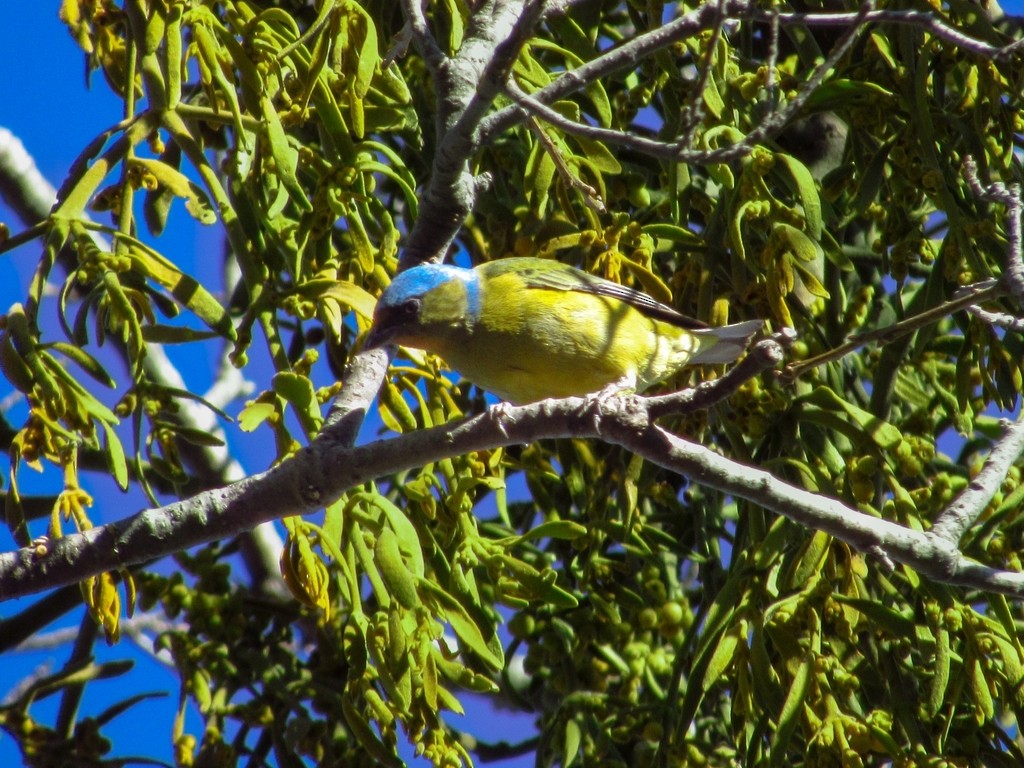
x,y
527,329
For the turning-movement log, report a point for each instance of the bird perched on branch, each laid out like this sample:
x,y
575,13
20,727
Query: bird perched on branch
x,y
528,329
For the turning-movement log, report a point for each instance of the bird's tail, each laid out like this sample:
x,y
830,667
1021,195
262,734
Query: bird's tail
x,y
725,344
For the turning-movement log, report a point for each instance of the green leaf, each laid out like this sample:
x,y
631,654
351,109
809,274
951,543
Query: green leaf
x,y
175,334
540,173
86,362
539,584
74,389
895,623
884,434
408,538
572,740
365,735
364,34
286,158
652,283
552,529
463,625
723,655
404,181
713,101
936,697
598,155
397,577
870,183
184,288
298,391
977,684
810,281
807,190
254,414
800,245
672,233
114,454
178,184
394,410
194,436
842,93
792,710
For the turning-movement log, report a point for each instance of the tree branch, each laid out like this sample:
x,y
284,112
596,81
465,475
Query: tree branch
x,y
1010,196
466,86
319,474
679,150
625,56
764,355
709,16
422,37
964,298
966,508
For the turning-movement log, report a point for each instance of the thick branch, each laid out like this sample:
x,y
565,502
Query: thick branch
x,y
467,85
930,554
22,186
966,508
319,474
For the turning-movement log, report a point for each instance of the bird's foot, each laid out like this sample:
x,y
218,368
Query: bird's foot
x,y
499,414
597,402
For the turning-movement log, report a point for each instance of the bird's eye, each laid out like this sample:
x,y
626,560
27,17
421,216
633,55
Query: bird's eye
x,y
409,309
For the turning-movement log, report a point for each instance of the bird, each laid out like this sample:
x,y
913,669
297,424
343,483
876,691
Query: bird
x,y
528,328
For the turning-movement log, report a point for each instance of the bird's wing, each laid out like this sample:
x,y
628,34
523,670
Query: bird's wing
x,y
541,273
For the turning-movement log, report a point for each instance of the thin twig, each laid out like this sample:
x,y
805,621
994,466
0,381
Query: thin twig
x,y
1010,196
965,298
998,319
591,197
693,110
926,20
704,18
679,150
622,57
422,37
764,355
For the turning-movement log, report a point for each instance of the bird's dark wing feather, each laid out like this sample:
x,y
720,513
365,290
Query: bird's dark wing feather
x,y
541,275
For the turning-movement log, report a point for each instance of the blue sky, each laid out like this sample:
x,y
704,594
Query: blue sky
x,y
47,104
49,107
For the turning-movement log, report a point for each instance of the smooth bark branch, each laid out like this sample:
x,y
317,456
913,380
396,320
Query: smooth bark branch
x,y
1008,195
318,475
467,85
927,20
953,522
22,186
680,149
926,552
422,37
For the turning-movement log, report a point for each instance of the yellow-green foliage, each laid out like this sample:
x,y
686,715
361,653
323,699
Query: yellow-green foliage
x,y
662,623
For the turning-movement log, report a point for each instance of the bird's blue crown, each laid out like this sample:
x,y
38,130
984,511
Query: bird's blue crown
x,y
422,279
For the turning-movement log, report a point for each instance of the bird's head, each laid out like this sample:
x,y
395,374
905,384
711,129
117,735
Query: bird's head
x,y
424,305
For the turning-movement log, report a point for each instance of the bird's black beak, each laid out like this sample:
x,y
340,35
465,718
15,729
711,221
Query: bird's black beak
x,y
376,338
